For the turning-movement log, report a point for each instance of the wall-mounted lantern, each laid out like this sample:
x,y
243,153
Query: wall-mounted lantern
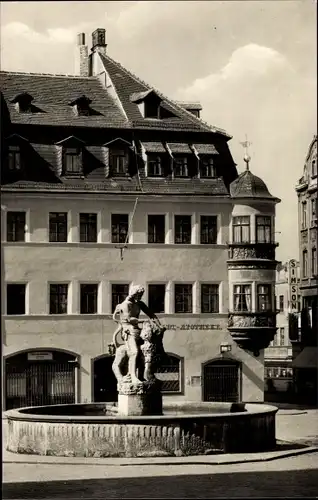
x,y
225,347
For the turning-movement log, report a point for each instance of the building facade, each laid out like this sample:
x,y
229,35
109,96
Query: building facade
x,y
305,345
278,355
106,183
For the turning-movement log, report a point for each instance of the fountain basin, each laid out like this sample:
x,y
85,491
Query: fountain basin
x,y
186,428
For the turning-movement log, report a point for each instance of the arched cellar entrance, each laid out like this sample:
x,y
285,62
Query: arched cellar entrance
x,y
222,380
36,378
105,383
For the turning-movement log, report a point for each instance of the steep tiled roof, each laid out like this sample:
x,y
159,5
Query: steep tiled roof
x,y
127,85
53,95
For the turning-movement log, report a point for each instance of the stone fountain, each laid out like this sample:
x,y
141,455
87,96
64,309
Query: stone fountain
x,y
140,425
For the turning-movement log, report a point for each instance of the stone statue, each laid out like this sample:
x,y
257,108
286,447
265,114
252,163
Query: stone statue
x,y
145,342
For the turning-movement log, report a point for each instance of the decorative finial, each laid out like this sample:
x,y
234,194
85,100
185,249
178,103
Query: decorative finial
x,y
246,157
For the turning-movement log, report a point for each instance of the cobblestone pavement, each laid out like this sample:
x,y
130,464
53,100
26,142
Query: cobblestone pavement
x,y
289,477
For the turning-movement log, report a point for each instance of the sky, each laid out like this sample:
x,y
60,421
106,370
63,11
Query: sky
x,y
251,64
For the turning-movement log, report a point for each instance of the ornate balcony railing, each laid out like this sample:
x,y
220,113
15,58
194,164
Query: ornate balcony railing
x,y
252,331
251,251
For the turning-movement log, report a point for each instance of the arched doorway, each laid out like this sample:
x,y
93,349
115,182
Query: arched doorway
x,y
36,378
222,380
105,383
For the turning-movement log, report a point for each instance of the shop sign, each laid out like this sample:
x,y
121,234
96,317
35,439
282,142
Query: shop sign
x,y
293,282
40,356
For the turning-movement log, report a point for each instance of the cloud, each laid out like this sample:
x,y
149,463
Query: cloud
x,y
22,32
249,62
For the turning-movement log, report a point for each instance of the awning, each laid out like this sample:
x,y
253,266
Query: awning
x,y
308,358
177,147
206,149
154,147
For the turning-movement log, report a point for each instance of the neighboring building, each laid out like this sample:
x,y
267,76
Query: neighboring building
x,y
278,356
107,183
305,346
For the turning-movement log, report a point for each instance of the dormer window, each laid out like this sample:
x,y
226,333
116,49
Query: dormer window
x,y
23,102
118,160
152,109
155,167
81,106
72,161
14,158
148,103
207,168
181,166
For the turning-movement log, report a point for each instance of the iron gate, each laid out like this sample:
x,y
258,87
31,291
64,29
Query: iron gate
x,y
221,381
39,383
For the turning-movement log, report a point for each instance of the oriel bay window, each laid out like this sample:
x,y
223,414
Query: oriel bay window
x,y
208,233
207,168
154,165
263,229
183,298
209,298
15,226
118,162
242,298
119,293
241,229
14,158
89,298
58,227
88,228
156,298
264,298
180,164
156,228
182,229
72,161
119,228
58,298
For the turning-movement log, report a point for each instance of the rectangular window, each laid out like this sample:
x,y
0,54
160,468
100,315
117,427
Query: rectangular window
x,y
209,298
119,293
264,297
14,158
207,168
15,226
282,336
304,215
58,299
72,161
208,234
183,298
118,162
58,227
180,166
156,298
88,228
313,168
241,229
305,263
313,262
281,303
156,228
313,208
182,224
242,298
154,166
263,229
119,228
89,298
15,299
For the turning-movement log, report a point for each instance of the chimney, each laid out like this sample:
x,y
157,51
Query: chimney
x,y
82,56
99,41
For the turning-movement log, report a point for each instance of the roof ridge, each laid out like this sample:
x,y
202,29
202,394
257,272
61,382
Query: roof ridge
x,y
68,75
173,103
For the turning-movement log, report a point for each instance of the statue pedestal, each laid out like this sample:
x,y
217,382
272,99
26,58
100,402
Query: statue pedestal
x,y
141,399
